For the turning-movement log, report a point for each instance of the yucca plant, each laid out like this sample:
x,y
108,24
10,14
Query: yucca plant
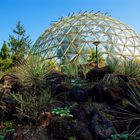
x,y
132,69
71,70
74,70
114,64
130,115
32,71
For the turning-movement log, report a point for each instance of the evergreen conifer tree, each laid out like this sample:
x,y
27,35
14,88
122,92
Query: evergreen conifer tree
x,y
19,43
5,57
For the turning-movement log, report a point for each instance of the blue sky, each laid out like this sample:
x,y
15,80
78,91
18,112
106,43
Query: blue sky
x,y
37,15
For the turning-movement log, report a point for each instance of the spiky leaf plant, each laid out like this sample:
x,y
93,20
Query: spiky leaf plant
x,y
132,69
114,64
130,113
32,71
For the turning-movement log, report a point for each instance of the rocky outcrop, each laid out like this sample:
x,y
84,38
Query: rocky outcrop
x,y
97,73
100,126
10,83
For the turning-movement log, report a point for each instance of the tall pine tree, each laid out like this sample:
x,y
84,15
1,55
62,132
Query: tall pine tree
x,y
19,43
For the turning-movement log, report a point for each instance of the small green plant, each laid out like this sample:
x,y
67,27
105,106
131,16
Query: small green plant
x,y
8,124
118,137
72,138
4,132
78,82
8,128
30,106
110,117
63,112
123,136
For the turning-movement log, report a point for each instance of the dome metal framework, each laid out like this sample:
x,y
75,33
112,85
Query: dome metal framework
x,y
73,38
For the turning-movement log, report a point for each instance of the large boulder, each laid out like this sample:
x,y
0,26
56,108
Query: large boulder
x,y
63,129
97,93
10,83
81,131
59,89
57,83
120,126
113,95
100,126
55,77
97,73
79,94
60,128
80,113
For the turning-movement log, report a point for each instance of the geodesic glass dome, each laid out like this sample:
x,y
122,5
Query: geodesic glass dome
x,y
72,39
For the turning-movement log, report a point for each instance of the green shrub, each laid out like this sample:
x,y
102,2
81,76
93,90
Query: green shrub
x,y
30,106
63,112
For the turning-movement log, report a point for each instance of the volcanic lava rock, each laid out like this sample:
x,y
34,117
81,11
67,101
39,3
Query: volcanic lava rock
x,y
79,94
80,113
60,88
97,73
55,77
120,126
10,83
100,127
113,95
56,81
62,129
97,93
81,131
